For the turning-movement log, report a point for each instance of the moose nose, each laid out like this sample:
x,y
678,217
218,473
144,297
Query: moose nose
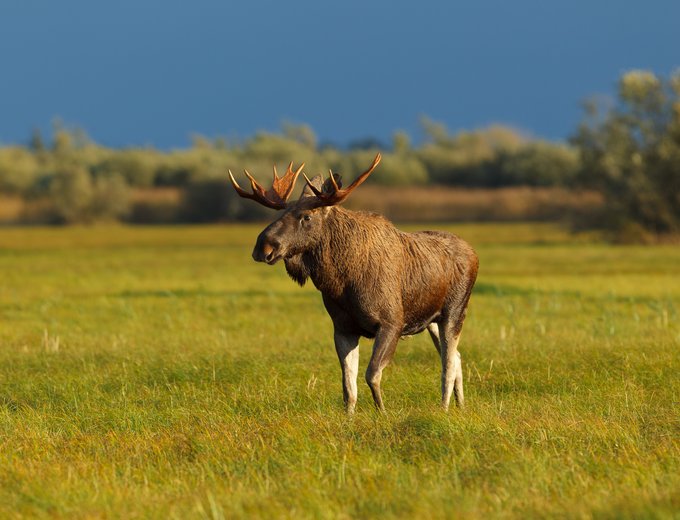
x,y
268,251
265,251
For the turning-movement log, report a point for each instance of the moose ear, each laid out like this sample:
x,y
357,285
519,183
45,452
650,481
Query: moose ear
x,y
328,185
324,186
317,182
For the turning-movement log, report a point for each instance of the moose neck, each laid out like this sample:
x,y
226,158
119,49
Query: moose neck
x,y
343,252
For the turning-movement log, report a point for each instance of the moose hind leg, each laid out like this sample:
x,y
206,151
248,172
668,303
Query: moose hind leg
x,y
458,382
433,329
347,348
452,368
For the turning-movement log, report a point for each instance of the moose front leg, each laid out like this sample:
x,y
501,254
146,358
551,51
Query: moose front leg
x,y
347,347
383,351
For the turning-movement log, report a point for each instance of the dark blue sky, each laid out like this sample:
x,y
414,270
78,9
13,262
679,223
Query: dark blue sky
x,y
137,72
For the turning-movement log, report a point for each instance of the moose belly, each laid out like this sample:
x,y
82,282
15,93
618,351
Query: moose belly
x,y
417,318
358,312
422,309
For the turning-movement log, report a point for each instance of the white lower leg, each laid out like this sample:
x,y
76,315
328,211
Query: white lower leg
x,y
349,379
458,382
450,369
347,347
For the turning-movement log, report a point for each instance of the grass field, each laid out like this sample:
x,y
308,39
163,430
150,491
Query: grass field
x,y
160,372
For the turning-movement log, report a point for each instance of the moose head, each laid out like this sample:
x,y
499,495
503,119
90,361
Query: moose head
x,y
301,226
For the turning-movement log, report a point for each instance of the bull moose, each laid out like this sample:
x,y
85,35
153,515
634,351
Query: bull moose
x,y
376,281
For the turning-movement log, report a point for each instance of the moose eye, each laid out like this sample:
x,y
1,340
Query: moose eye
x,y
306,218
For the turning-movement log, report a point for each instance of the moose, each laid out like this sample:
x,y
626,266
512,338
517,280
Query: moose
x,y
376,281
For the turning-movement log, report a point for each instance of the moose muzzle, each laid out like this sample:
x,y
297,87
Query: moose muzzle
x,y
266,249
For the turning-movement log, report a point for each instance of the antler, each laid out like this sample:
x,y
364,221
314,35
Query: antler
x,y
337,194
276,196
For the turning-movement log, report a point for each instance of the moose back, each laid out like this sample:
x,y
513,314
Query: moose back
x,y
376,281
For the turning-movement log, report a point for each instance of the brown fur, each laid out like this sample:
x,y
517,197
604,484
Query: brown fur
x,y
376,282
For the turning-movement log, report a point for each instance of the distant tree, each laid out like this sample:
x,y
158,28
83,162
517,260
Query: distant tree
x,y
110,198
221,143
62,143
201,142
436,132
71,194
394,170
215,200
303,134
139,167
401,143
268,147
67,138
18,170
366,143
468,158
631,153
36,142
79,198
539,163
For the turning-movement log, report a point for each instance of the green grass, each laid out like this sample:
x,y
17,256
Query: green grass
x,y
160,372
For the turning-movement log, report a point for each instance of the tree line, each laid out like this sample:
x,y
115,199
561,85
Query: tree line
x,y
628,150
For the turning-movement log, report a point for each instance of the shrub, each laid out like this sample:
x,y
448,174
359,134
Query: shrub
x,y
631,154
18,170
78,198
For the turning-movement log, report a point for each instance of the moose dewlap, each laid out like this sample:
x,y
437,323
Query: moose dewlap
x,y
375,281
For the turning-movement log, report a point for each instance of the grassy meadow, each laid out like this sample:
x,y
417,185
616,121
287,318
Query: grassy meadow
x,y
158,372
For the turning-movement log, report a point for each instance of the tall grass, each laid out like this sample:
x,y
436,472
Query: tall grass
x,y
159,372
